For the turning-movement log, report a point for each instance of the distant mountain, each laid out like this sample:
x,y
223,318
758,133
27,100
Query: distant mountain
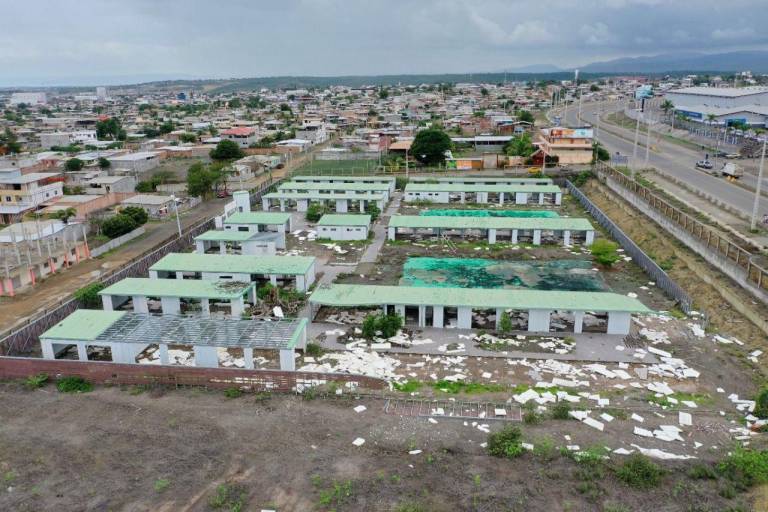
x,y
536,68
756,61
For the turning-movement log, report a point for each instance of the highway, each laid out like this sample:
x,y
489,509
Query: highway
x,y
669,158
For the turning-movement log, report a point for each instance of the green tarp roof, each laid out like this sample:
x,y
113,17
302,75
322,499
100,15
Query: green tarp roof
x,y
351,295
330,219
258,218
187,288
234,263
545,223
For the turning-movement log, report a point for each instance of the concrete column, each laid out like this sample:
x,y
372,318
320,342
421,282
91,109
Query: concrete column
x,y
171,305
422,316
514,236
501,198
164,359
282,205
362,206
391,232
558,198
207,357
482,197
82,352
341,206
248,357
106,303
566,237
464,318
400,310
222,248
578,322
140,304
287,361
47,348
199,246
179,275
521,197
437,316
618,322
499,312
238,307
463,197
265,204
153,274
301,283
538,320
536,237
205,305
491,236
589,238
541,198
273,279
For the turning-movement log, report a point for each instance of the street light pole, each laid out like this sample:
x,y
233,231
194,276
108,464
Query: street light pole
x,y
634,149
406,163
647,141
753,223
176,208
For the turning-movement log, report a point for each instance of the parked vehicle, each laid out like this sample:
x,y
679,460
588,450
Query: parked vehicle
x,y
731,170
733,156
704,164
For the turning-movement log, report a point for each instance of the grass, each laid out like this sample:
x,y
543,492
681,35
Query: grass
x,y
233,393
36,381
408,386
454,388
698,398
745,468
73,385
229,497
560,411
506,443
161,484
640,472
336,494
314,350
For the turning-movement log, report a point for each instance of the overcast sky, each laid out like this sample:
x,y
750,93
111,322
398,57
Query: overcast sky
x,y
75,41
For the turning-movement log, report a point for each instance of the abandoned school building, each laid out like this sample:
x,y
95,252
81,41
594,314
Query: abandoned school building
x,y
513,193
530,310
344,227
342,196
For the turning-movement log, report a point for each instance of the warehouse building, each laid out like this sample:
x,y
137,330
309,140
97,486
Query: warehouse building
x,y
341,203
748,105
348,179
438,307
481,193
350,189
126,336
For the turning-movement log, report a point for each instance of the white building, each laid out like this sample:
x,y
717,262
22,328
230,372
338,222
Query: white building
x,y
344,227
26,192
728,104
28,98
136,162
244,136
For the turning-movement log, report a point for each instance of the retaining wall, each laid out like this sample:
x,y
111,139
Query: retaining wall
x,y
117,242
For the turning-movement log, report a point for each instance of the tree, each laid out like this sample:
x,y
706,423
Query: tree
x,y
110,129
137,213
226,150
118,225
383,93
387,325
484,91
65,214
235,103
255,102
429,146
524,115
599,153
314,212
594,88
520,146
604,252
667,106
9,143
505,322
166,127
373,210
73,165
89,295
188,137
201,179
104,163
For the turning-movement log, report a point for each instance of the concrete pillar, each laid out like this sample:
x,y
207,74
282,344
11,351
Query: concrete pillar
x,y
437,316
207,357
273,279
391,232
82,352
536,237
238,307
222,248
482,197
341,206
464,318
521,197
179,275
499,312
362,205
106,302
618,322
265,204
566,237
199,246
140,304
205,305
248,357
538,320
463,197
514,236
589,238
400,310
153,274
287,361
541,198
558,198
171,305
501,198
422,316
578,322
47,348
164,359
491,236
282,205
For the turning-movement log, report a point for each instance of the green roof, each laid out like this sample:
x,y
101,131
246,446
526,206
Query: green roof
x,y
479,187
478,179
187,288
258,218
83,325
330,219
333,186
227,235
321,178
351,295
368,196
546,223
234,263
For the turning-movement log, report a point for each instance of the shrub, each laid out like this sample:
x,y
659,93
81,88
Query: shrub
x,y
118,225
233,393
746,468
228,497
161,484
314,212
604,252
313,350
702,472
640,472
761,403
89,295
388,325
506,443
373,210
36,381
73,385
138,214
505,322
560,411
401,182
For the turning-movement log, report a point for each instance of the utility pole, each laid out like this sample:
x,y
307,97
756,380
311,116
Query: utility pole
x,y
634,149
647,141
753,223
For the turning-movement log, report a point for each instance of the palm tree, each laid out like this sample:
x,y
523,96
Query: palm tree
x,y
711,118
65,215
667,106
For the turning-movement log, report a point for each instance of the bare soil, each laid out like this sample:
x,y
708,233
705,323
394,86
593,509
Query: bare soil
x,y
114,449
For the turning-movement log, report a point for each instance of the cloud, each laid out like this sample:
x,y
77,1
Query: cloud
x,y
527,32
597,34
734,34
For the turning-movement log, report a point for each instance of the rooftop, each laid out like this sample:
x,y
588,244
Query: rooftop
x,y
350,295
316,194
147,199
723,92
291,185
455,222
479,187
234,263
377,179
258,218
478,179
119,326
187,288
330,219
229,235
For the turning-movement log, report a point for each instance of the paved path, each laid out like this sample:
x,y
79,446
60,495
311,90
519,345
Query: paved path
x,y
371,253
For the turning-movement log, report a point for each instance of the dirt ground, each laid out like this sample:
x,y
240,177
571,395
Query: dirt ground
x,y
115,449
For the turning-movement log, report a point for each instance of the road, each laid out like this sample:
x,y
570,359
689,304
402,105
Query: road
x,y
670,159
